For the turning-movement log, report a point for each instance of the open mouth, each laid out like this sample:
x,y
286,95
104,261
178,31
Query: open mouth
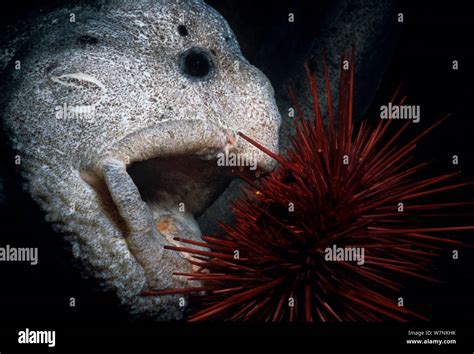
x,y
183,183
154,195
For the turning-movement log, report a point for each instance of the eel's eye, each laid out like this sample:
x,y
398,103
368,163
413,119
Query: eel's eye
x,y
196,63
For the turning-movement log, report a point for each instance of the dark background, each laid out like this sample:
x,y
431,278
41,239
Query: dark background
x,y
430,38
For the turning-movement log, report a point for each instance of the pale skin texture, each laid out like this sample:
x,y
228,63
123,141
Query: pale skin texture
x,y
123,67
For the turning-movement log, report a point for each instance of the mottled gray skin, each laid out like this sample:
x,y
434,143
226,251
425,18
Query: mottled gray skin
x,y
123,63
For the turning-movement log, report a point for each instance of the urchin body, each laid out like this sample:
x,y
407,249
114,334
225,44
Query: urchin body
x,y
104,90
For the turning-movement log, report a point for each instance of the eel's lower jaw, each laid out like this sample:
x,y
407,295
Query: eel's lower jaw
x,y
143,240
156,200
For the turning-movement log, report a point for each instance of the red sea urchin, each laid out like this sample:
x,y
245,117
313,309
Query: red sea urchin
x,y
337,187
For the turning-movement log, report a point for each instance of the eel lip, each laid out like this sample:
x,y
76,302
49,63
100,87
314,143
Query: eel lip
x,y
203,138
163,139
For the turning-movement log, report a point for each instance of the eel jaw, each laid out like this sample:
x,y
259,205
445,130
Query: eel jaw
x,y
155,199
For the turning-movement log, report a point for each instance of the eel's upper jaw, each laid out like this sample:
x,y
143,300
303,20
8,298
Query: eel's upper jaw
x,y
189,174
